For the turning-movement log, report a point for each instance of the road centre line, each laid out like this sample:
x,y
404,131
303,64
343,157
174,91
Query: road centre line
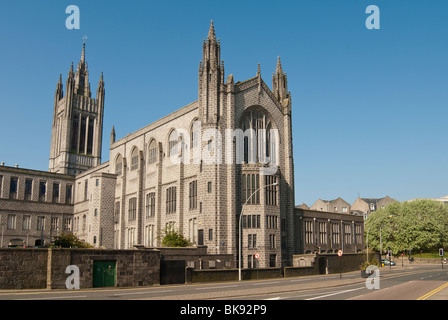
x,y
297,280
424,297
220,287
262,283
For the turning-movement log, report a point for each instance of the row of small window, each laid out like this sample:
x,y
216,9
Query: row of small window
x,y
171,201
250,189
195,236
14,187
84,221
253,221
252,241
335,237
150,206
11,223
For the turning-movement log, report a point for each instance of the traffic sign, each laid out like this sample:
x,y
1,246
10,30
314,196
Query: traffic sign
x,y
257,256
340,252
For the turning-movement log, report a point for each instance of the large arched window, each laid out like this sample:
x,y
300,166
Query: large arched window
x,y
119,165
196,140
173,145
152,152
134,159
195,134
259,137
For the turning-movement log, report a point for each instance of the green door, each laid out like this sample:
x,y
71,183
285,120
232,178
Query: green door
x,y
104,273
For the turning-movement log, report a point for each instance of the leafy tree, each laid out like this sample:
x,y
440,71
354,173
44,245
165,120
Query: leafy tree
x,y
172,238
69,240
415,225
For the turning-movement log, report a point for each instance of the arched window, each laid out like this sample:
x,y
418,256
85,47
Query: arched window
x,y
152,152
259,138
173,145
134,159
196,140
119,165
195,134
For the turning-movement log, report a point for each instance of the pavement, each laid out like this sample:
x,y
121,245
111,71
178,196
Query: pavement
x,y
433,289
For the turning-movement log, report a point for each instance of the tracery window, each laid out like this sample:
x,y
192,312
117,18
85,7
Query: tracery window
x,y
259,137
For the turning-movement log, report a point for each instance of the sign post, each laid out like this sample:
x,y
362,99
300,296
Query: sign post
x,y
340,270
257,256
390,259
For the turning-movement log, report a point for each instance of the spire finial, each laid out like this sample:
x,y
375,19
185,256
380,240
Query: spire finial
x,y
112,135
83,55
211,32
279,69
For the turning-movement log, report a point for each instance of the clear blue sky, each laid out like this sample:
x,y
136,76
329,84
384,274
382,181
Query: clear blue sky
x,y
369,106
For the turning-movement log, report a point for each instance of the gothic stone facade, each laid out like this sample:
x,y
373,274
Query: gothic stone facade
x,y
191,170
77,126
221,161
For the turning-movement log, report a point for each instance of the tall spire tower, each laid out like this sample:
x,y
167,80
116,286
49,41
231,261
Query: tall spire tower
x,y
211,76
280,84
76,135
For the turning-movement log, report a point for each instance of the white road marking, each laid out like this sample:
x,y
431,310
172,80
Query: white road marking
x,y
262,283
140,292
54,298
220,287
334,293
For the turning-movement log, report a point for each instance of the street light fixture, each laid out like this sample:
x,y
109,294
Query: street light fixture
x,y
367,238
241,216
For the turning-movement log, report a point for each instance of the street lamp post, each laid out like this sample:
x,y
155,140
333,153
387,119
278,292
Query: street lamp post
x,y
367,239
241,216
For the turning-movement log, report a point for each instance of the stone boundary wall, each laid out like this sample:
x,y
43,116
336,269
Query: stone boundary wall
x,y
198,258
332,264
23,268
45,268
196,276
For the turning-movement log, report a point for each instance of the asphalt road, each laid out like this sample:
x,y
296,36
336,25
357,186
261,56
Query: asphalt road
x,y
429,282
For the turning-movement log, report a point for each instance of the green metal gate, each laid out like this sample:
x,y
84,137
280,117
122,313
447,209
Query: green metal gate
x,y
104,273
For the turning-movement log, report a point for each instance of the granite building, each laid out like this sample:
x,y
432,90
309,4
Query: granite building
x,y
327,232
218,163
77,126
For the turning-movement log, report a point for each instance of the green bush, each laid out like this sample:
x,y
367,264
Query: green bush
x,y
69,240
172,238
